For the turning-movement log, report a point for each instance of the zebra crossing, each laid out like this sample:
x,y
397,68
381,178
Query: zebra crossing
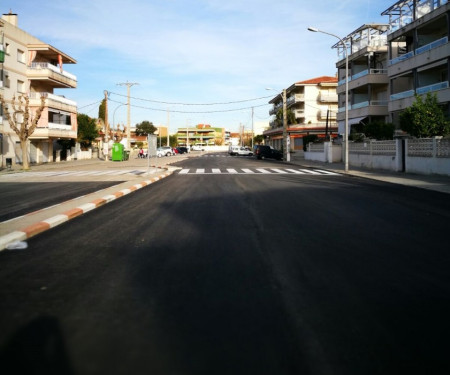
x,y
256,171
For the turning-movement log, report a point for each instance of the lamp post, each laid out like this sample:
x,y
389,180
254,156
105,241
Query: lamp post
x,y
114,117
286,140
315,30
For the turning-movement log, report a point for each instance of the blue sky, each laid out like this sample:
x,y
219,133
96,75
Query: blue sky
x,y
192,52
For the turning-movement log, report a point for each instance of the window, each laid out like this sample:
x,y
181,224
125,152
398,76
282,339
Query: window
x,y
6,82
20,56
58,117
20,86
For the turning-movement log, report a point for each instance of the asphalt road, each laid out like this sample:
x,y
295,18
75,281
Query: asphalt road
x,y
19,198
236,274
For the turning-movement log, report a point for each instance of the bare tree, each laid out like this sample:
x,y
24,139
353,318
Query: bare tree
x,y
21,122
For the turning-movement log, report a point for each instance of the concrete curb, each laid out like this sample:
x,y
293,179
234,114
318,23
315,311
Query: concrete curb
x,y
41,226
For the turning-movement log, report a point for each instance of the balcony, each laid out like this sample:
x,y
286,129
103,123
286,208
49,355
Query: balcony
x,y
432,45
323,115
433,87
52,130
53,101
299,113
366,77
297,98
275,109
403,95
48,72
400,58
404,12
328,98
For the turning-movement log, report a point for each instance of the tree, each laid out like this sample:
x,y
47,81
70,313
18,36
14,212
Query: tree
x,y
87,130
145,128
102,110
425,118
22,122
258,139
290,115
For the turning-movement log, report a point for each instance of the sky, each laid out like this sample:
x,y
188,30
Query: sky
x,y
192,61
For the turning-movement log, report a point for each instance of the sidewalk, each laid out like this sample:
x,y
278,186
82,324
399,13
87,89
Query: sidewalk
x,y
430,182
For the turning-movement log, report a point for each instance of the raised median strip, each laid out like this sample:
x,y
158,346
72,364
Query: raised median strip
x,y
43,225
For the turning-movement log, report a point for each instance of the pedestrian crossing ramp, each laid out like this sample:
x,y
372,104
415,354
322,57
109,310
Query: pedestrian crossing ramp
x,y
256,171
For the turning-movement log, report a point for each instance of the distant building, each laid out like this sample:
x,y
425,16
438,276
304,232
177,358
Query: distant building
x,y
34,68
202,134
314,103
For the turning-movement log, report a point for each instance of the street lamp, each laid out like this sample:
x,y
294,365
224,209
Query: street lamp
x,y
315,30
286,140
114,116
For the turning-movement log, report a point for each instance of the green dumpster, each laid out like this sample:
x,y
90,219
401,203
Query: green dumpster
x,y
117,152
126,154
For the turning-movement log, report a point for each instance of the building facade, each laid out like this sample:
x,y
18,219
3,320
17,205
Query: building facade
x,y
368,81
419,52
31,67
391,63
314,104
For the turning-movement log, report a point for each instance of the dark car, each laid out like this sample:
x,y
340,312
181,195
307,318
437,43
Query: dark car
x,y
182,150
263,152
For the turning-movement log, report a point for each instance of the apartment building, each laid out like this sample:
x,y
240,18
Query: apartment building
x,y
202,135
314,103
368,81
34,68
419,52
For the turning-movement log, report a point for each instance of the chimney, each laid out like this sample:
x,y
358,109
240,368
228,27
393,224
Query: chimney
x,y
11,17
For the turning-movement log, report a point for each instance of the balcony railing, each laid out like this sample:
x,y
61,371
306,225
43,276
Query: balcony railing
x,y
422,8
327,98
367,103
56,98
401,58
360,105
430,46
402,95
433,87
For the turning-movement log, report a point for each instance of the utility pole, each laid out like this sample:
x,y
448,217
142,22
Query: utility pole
x,y
106,148
253,131
128,84
168,122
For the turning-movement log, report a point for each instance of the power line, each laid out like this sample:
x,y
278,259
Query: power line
x,y
194,112
196,104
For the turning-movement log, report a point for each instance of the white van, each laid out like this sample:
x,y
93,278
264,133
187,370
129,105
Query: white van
x,y
233,150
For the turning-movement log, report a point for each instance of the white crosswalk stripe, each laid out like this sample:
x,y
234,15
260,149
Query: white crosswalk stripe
x,y
258,171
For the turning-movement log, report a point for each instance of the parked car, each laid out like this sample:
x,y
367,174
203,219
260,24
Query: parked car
x,y
164,151
263,152
233,150
197,148
182,150
244,151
